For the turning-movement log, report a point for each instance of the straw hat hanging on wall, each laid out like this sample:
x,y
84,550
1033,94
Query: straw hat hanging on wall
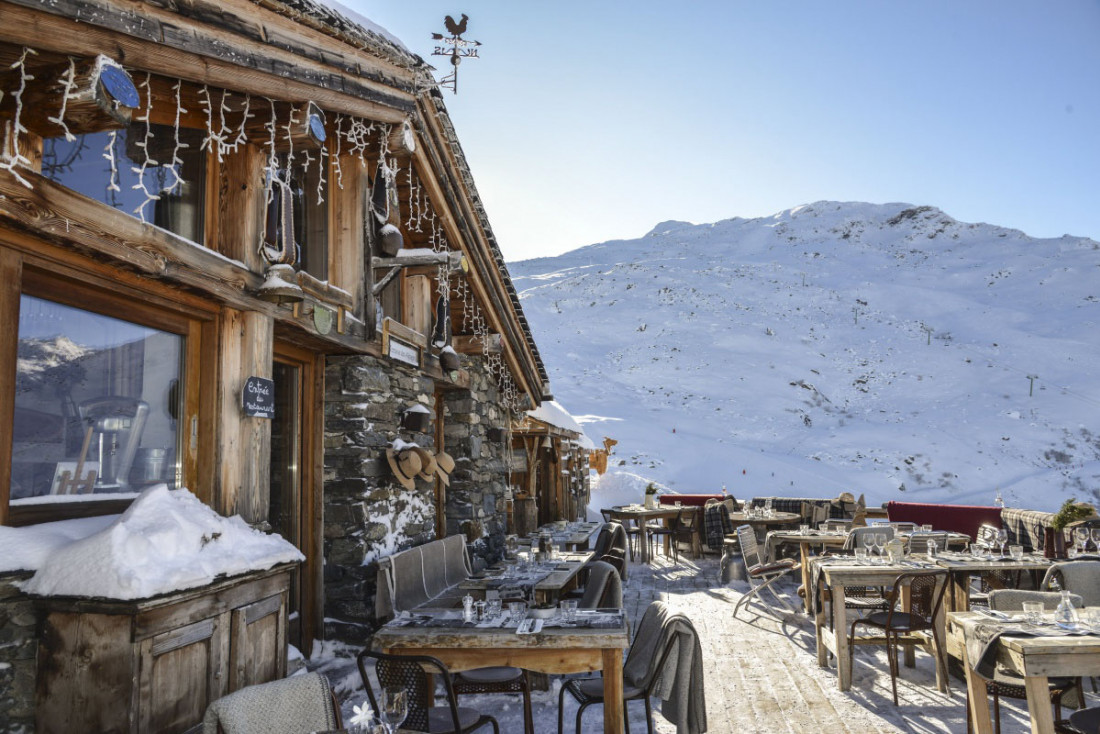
x,y
405,464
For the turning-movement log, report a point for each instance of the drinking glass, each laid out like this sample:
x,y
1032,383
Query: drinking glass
x,y
492,608
569,610
1033,611
861,554
803,528
868,540
1096,538
1002,539
677,504
395,706
976,550
1017,552
517,610
926,528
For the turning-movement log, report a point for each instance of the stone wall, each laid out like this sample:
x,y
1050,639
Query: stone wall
x,y
367,513
18,648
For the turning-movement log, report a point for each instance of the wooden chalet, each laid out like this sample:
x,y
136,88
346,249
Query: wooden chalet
x,y
550,478
241,252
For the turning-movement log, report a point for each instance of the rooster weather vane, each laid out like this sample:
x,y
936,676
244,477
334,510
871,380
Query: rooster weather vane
x,y
456,47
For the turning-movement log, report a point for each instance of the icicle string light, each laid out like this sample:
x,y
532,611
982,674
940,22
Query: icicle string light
x,y
9,161
66,95
147,161
338,171
271,167
176,166
242,133
109,154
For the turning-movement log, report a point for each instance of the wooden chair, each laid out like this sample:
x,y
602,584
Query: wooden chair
x,y
926,590
416,674
761,575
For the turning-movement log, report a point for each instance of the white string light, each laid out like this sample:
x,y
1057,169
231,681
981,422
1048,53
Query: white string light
x,y
336,156
66,95
9,161
176,166
147,161
109,154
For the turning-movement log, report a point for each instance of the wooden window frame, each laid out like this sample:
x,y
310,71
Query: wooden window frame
x,y
105,296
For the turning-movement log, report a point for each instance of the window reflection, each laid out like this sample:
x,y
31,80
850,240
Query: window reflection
x,y
93,394
84,165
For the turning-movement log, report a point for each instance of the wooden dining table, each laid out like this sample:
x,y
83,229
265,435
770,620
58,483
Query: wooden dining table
x,y
561,575
640,516
807,542
962,566
557,651
1035,658
836,572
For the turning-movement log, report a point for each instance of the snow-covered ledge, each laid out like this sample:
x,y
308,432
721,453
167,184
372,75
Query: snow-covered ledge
x,y
165,541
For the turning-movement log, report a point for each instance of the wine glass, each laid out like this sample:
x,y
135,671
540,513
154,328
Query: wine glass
x,y
1081,534
1002,539
868,540
880,543
395,706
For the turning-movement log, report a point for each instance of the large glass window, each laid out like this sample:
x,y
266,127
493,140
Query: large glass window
x,y
309,192
97,405
115,170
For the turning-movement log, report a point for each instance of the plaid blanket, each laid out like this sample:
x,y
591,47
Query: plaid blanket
x,y
717,525
794,504
1026,527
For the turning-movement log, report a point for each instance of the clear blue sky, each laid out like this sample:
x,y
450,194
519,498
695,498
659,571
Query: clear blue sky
x,y
589,121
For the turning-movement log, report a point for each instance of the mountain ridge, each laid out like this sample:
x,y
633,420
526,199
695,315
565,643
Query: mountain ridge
x,y
876,348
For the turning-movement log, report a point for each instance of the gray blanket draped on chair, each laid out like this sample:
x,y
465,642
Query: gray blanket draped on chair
x,y
290,706
680,681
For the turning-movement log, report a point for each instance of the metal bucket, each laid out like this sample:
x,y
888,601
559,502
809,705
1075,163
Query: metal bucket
x,y
149,465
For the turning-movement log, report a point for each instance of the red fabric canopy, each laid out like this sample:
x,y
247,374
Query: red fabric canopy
x,y
960,518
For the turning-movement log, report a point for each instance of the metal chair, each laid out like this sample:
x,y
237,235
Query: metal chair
x,y
416,673
926,590
761,575
1005,683
1085,721
685,530
498,679
588,691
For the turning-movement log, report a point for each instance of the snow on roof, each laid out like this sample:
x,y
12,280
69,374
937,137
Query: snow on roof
x,y
166,541
551,411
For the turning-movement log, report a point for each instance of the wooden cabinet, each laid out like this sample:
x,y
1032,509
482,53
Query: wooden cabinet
x,y
154,665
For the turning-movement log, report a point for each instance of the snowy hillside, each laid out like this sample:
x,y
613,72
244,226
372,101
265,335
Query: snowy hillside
x,y
883,349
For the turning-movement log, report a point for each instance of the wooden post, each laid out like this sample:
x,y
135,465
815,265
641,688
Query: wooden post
x,y
240,206
11,277
245,443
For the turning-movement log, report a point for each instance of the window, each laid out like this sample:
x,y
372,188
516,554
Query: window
x,y
94,393
84,165
309,193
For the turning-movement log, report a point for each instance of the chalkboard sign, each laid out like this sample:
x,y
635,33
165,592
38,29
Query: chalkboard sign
x,y
258,397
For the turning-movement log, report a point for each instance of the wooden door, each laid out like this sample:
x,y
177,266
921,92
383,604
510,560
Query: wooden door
x,y
258,651
181,672
295,494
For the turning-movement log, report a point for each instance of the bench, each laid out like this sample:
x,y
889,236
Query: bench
x,y
425,575
964,519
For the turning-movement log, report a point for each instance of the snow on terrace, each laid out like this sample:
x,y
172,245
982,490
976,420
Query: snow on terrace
x,y
760,672
165,541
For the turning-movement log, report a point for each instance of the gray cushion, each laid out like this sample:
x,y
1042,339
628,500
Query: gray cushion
x,y
441,721
1086,720
497,674
593,688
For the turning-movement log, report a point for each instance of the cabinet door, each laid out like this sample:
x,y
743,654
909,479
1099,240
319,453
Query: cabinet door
x,y
182,672
259,642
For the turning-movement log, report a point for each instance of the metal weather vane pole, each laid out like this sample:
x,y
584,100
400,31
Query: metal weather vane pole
x,y
456,47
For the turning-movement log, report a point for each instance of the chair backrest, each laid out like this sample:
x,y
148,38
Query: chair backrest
x,y
615,558
1012,600
687,519
855,535
603,588
657,636
618,538
415,674
926,590
919,542
730,503
1079,577
299,703
603,540
750,549
606,515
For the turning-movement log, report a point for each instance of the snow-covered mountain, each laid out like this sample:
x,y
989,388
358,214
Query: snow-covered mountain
x,y
885,349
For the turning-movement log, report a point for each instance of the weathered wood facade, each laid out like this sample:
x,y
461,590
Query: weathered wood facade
x,y
550,463
252,134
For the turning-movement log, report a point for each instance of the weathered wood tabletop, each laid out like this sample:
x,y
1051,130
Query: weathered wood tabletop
x,y
553,650
561,574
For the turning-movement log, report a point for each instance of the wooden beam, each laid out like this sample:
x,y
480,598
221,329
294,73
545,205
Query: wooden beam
x,y
11,282
62,216
152,40
465,344
409,258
